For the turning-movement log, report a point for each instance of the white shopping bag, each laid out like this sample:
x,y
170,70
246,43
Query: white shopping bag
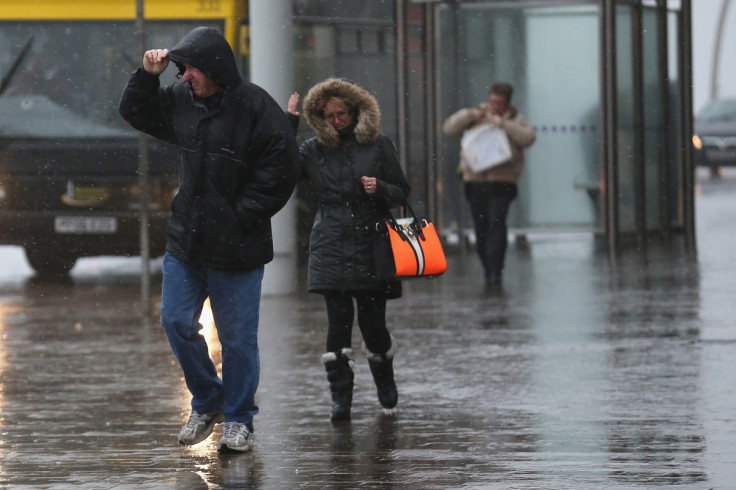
x,y
485,146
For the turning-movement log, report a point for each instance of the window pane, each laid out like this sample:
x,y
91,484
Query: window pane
x,y
551,57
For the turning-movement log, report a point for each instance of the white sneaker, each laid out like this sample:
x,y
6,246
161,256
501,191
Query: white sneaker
x,y
199,427
235,437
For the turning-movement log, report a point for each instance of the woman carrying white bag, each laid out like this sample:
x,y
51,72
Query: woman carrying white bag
x,y
491,160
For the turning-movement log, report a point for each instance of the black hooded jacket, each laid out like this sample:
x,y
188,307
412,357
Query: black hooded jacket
x,y
237,155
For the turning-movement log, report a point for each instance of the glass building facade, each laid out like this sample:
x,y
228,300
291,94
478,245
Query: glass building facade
x,y
605,83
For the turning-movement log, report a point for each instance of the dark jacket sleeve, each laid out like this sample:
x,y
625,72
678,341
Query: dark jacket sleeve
x,y
274,158
294,121
392,188
144,105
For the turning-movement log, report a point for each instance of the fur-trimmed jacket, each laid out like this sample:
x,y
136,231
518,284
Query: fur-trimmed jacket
x,y
340,252
519,132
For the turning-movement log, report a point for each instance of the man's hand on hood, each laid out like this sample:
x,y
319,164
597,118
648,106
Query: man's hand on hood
x,y
155,61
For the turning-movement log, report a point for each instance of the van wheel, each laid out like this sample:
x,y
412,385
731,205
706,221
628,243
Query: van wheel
x,y
50,263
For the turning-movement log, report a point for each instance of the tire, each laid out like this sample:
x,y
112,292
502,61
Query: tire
x,y
49,262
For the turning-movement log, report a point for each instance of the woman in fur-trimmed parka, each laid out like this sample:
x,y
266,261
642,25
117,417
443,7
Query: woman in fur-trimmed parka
x,y
356,173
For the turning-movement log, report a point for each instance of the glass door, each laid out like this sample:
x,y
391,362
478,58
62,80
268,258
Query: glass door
x,y
551,57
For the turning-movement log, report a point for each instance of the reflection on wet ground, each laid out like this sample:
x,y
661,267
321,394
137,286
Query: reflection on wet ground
x,y
578,375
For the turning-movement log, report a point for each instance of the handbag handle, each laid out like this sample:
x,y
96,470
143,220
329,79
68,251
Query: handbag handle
x,y
416,224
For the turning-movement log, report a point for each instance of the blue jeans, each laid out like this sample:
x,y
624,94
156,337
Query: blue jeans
x,y
235,298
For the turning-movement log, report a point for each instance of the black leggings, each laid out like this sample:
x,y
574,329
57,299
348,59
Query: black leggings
x,y
371,320
489,205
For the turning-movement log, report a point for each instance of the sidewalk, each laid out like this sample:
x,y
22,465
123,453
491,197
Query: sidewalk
x,y
578,376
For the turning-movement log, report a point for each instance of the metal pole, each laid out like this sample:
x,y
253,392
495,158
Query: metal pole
x,y
271,32
431,122
685,39
609,114
401,99
143,187
640,189
665,134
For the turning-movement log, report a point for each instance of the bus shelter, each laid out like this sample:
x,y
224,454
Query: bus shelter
x,y
605,83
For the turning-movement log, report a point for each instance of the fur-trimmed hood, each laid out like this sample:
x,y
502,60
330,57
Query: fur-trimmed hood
x,y
368,118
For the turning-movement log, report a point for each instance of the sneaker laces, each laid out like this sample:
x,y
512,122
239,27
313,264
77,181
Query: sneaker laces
x,y
195,418
234,429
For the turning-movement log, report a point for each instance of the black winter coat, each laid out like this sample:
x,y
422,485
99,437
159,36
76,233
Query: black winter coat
x,y
340,251
237,156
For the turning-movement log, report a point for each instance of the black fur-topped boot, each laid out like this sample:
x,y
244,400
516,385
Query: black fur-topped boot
x,y
339,367
382,368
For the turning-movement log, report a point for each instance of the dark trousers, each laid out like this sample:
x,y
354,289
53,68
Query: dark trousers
x,y
489,205
371,320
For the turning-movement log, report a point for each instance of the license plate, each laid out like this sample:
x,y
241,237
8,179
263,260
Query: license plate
x,y
85,224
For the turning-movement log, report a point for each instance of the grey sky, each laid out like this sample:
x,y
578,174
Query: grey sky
x,y
705,23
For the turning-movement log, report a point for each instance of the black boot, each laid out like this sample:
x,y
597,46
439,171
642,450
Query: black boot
x,y
340,375
382,368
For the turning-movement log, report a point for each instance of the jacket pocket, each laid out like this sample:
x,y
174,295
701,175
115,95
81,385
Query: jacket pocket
x,y
224,234
226,175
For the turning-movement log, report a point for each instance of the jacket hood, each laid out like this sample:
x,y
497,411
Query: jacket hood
x,y
368,113
208,51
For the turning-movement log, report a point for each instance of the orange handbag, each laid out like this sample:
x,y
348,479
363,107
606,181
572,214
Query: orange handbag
x,y
408,247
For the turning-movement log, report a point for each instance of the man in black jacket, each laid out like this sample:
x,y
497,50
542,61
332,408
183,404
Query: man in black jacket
x,y
237,168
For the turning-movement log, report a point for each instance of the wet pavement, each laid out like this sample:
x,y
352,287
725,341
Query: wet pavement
x,y
578,375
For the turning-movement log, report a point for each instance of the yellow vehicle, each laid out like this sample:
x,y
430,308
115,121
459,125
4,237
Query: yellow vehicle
x,y
68,162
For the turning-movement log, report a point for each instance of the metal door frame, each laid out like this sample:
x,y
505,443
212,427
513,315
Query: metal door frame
x,y
609,118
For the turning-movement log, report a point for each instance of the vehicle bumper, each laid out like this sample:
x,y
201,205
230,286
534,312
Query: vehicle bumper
x,y
42,229
714,158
